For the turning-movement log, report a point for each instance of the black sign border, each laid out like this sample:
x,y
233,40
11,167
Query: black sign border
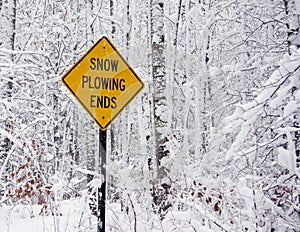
x,y
128,66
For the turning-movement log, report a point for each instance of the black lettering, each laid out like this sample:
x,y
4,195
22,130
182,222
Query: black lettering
x,y
92,60
90,83
92,101
106,102
114,65
99,101
103,102
104,82
113,102
115,84
99,64
84,80
122,86
106,65
97,82
109,83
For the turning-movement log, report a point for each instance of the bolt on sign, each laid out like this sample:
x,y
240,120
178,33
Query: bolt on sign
x,y
103,82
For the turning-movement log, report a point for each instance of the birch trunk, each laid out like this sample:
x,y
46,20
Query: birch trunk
x,y
159,104
292,24
7,41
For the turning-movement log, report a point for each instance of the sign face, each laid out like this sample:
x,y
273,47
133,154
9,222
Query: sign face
x,y
103,82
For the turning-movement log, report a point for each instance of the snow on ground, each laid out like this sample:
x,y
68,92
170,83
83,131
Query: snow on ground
x,y
74,216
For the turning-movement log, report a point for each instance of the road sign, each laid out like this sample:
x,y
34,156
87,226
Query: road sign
x,y
103,82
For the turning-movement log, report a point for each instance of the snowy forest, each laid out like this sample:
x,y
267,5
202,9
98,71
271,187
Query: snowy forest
x,y
212,142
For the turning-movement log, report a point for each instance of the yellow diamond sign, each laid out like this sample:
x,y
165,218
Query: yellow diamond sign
x,y
103,82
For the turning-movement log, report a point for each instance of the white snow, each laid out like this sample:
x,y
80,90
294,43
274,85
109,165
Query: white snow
x,y
290,108
297,4
285,158
72,216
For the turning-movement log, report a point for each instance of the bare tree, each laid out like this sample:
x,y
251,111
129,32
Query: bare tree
x,y
7,41
159,103
292,24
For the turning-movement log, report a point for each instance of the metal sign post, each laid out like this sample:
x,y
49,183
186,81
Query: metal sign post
x,y
102,190
104,83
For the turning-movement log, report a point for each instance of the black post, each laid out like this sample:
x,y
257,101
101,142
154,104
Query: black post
x,y
102,190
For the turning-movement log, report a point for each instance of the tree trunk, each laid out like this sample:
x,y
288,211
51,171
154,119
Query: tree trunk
x,y
89,126
8,33
7,41
111,12
159,104
292,24
292,11
8,24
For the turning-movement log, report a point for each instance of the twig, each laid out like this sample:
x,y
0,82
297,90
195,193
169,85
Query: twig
x,y
134,213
